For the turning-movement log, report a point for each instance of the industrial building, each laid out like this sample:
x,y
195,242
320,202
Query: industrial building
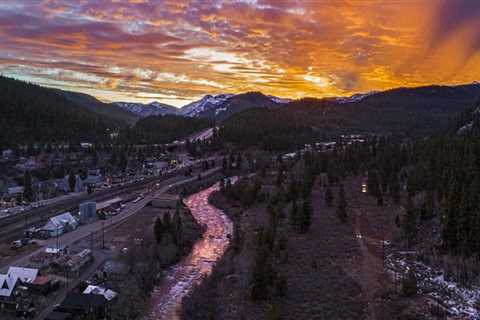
x,y
88,212
59,225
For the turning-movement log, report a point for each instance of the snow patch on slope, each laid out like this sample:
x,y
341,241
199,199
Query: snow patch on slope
x,y
355,98
144,110
206,103
454,299
279,100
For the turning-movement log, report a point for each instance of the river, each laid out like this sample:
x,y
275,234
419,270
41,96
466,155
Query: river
x,y
180,279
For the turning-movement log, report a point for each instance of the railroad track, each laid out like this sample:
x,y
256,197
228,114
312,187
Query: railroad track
x,y
13,226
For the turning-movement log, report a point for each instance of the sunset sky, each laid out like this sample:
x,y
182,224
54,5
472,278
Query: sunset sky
x,y
176,51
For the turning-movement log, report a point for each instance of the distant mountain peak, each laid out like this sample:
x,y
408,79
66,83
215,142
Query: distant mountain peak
x,y
355,97
222,105
154,108
206,103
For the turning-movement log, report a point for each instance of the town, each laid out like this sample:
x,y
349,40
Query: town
x,y
65,234
239,160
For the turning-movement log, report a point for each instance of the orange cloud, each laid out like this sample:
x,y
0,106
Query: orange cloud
x,y
178,50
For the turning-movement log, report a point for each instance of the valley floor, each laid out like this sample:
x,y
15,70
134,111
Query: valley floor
x,y
334,271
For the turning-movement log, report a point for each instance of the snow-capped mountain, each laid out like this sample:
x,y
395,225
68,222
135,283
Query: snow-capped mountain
x,y
144,110
355,98
208,102
222,106
279,100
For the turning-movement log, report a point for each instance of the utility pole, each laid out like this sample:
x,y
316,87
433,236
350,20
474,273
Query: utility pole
x,y
103,234
383,251
26,225
57,237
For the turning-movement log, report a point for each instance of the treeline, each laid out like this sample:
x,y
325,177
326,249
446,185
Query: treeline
x,y
162,129
33,114
446,175
161,246
406,112
269,129
436,179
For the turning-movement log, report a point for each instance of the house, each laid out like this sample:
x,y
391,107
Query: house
x,y
30,164
24,275
78,262
7,153
8,282
41,260
44,285
92,180
78,304
106,293
13,191
60,224
86,145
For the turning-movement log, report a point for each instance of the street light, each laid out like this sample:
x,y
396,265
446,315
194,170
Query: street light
x,y
103,234
57,236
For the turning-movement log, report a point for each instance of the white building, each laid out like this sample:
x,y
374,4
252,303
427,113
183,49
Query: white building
x,y
60,224
107,293
25,275
7,285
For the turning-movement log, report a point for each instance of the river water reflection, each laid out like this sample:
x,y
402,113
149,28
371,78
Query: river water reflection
x,y
181,278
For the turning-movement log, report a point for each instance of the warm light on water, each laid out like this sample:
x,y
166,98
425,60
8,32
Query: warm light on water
x,y
180,279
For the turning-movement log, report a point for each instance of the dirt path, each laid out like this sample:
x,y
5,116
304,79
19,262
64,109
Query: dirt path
x,y
368,270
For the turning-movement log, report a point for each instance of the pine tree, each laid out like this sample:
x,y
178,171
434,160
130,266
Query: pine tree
x,y
27,187
72,180
342,204
305,218
380,199
158,230
395,189
279,177
293,216
260,274
123,161
292,190
373,184
281,285
410,222
273,312
177,227
329,197
224,166
167,222
409,283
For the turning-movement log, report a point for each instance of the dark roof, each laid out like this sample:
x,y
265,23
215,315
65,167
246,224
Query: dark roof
x,y
82,301
56,315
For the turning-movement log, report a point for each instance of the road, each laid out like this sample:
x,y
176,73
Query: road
x,y
202,135
182,278
13,226
85,230
72,283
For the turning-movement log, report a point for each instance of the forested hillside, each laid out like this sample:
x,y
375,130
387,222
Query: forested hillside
x,y
265,128
437,180
108,110
162,129
30,113
408,112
